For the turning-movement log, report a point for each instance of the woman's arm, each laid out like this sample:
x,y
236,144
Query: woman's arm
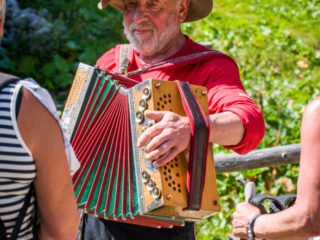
x,y
59,217
303,219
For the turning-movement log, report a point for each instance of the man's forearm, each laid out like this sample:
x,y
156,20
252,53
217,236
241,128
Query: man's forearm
x,y
226,129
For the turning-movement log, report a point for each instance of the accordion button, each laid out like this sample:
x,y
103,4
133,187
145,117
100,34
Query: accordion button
x,y
150,184
156,193
139,117
143,104
145,176
146,93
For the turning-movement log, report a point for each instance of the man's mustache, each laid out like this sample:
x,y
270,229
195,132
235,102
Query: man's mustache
x,y
143,25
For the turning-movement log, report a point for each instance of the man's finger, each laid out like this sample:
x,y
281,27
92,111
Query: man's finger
x,y
238,224
155,115
166,158
151,132
161,150
148,134
164,136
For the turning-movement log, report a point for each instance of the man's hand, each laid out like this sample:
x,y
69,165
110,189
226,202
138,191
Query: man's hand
x,y
244,212
168,137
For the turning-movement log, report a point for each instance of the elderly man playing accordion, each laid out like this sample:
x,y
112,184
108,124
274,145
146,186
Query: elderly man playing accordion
x,y
153,30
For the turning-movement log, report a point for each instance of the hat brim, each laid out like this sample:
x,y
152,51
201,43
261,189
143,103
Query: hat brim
x,y
198,9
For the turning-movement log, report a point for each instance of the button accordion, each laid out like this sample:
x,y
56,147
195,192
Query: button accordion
x,y
103,118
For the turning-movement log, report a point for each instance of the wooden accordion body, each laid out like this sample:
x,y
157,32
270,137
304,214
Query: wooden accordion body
x,y
159,193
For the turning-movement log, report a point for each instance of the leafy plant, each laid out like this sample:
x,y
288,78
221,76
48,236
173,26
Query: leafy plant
x,y
46,40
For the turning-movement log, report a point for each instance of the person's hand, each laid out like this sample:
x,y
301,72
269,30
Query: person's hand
x,y
244,212
169,136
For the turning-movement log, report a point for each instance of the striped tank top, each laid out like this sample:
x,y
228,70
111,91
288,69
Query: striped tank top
x,y
17,167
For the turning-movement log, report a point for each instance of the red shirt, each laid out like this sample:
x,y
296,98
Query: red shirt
x,y
219,74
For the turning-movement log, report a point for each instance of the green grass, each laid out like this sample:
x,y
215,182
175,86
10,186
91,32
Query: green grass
x,y
277,47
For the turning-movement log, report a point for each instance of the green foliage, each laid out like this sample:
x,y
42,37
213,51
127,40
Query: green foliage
x,y
277,49
81,33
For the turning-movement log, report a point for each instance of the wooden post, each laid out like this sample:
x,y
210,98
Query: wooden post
x,y
266,157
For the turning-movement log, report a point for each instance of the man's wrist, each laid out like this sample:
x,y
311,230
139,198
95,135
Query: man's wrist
x,y
250,225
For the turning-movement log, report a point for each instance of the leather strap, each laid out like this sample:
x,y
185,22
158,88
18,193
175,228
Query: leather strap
x,y
124,59
6,79
181,61
3,231
198,145
22,214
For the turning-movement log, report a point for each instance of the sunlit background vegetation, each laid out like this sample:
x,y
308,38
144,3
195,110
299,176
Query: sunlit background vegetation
x,y
276,44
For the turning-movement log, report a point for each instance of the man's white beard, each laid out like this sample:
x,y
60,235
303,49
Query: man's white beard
x,y
153,45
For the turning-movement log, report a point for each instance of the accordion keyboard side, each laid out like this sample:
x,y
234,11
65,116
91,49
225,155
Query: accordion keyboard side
x,y
136,154
164,188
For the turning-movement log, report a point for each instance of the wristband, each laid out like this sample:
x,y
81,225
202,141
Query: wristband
x,y
250,227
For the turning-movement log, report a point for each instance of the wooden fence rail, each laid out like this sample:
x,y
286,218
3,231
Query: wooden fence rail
x,y
266,157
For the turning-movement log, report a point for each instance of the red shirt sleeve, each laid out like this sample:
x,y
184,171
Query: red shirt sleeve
x,y
226,93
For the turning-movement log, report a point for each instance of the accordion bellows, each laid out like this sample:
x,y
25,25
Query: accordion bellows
x,y
103,118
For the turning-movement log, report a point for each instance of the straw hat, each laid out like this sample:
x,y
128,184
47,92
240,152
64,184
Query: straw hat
x,y
197,8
